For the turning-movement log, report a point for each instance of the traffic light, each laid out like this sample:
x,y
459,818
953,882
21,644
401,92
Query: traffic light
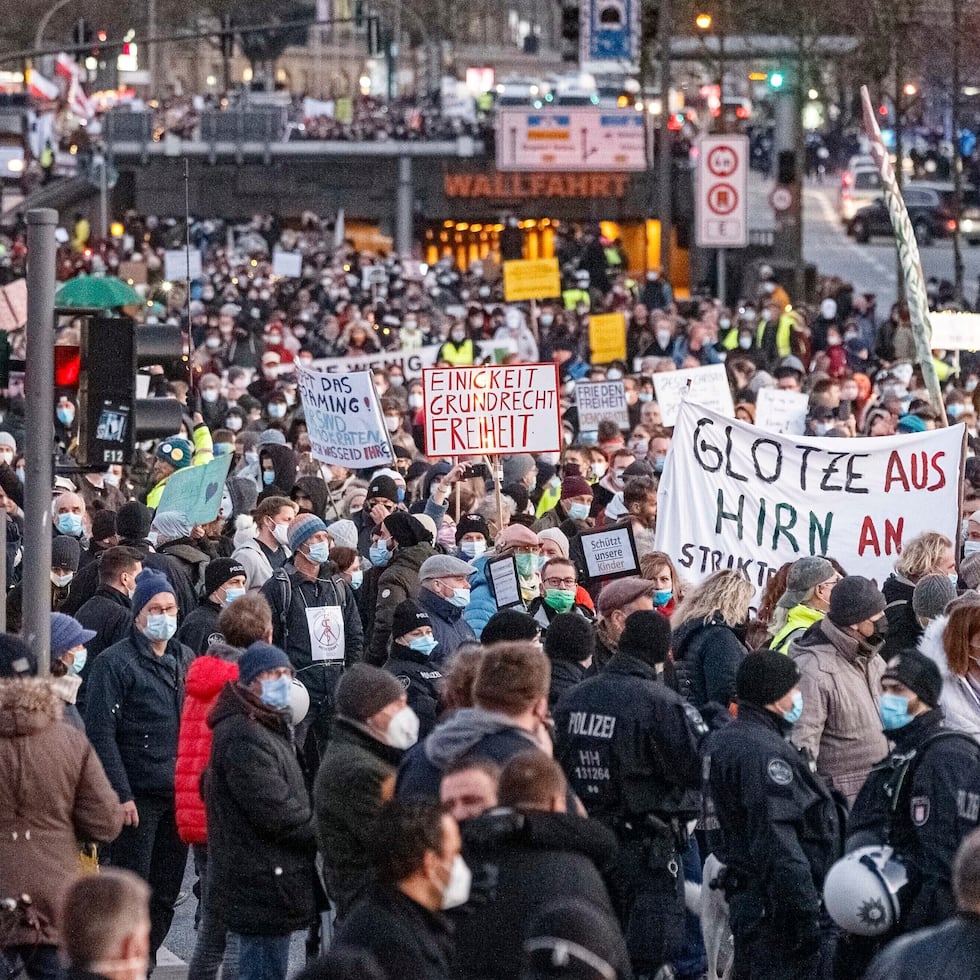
x,y
111,419
776,79
570,28
786,168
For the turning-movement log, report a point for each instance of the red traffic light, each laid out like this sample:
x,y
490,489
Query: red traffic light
x,y
67,366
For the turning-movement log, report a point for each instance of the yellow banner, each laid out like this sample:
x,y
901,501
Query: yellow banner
x,y
531,279
607,337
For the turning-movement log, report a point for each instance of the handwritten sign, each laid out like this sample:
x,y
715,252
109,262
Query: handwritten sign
x,y
531,279
607,337
195,491
502,573
175,264
781,411
599,400
708,387
289,265
955,331
611,552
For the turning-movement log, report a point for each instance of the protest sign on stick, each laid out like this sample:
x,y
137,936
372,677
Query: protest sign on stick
x,y
781,411
195,491
610,552
599,400
707,386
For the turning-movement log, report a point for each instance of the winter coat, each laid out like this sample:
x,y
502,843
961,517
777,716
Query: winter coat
x,y
258,568
133,714
192,559
110,613
205,679
707,653
356,776
482,603
421,679
449,626
903,627
798,620
53,792
261,835
959,701
399,581
200,629
948,950
840,725
565,674
526,860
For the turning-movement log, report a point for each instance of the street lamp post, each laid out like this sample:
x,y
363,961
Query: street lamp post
x,y
45,20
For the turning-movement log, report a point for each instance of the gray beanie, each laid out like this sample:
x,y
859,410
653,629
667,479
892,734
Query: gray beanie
x,y
364,690
344,534
931,596
805,574
970,571
517,467
854,600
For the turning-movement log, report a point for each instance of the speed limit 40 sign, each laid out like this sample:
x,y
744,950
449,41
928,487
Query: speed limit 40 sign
x,y
722,186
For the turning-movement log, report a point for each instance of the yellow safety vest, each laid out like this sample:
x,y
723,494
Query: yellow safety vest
x,y
784,330
572,297
459,356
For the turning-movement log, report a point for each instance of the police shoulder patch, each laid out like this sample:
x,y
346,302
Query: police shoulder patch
x,y
405,681
216,638
780,772
386,593
919,807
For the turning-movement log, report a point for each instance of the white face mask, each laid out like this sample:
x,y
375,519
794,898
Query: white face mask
x,y
458,890
971,548
393,423
281,533
403,730
62,580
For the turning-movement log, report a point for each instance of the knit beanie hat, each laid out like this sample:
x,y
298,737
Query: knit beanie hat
x,y
364,690
408,616
148,584
470,524
257,659
133,521
344,534
507,625
177,451
16,657
405,529
219,571
65,552
854,600
301,528
516,467
570,637
67,633
574,486
383,486
765,677
103,524
918,673
646,636
556,535
931,595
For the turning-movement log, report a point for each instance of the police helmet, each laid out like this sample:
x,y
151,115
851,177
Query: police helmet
x,y
861,890
299,701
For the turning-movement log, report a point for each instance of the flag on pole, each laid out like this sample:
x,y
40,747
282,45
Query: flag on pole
x,y
43,88
66,66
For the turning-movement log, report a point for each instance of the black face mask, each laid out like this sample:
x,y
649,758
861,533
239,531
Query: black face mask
x,y
877,638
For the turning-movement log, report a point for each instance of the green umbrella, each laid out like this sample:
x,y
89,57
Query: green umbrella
x,y
96,293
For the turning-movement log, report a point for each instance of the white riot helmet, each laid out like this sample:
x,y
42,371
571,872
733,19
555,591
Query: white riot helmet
x,y
299,701
861,890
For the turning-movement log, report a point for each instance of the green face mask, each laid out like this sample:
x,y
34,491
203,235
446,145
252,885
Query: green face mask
x,y
561,600
527,565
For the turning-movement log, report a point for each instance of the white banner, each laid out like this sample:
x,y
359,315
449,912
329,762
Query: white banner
x,y
781,411
412,362
343,419
494,409
289,265
734,496
955,331
708,387
598,400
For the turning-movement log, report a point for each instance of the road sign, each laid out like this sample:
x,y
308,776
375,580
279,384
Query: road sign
x,y
722,190
571,139
609,35
781,198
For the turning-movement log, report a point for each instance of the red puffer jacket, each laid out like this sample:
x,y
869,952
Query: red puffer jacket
x,y
205,679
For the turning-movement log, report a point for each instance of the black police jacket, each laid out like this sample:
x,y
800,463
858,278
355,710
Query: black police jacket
x,y
629,745
420,678
937,805
779,826
949,950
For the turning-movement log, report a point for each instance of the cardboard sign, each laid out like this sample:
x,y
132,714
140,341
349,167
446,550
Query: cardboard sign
x,y
607,337
735,496
15,299
599,400
955,331
133,272
611,552
175,265
504,583
781,411
708,387
511,408
343,419
195,491
289,265
531,279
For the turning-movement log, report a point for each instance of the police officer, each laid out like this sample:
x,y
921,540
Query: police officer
x,y
779,827
412,643
629,746
924,797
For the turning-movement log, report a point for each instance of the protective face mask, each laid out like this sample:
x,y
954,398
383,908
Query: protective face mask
x,y
160,627
212,343
458,336
281,533
62,580
954,577
423,644
110,479
663,337
744,342
894,711
645,396
356,579
599,470
393,423
473,549
232,594
378,553
971,548
639,447
794,713
319,552
578,512
820,428
65,415
662,596
400,494
658,463
458,890
268,477
614,374
251,457
527,565
70,524
971,384
79,661
724,323
277,410
546,319
460,598
618,476
561,600
396,379
414,400
275,692
7,457
234,424
403,729
210,395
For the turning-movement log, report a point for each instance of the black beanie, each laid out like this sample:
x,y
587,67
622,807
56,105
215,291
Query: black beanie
x,y
918,673
646,636
405,529
364,690
133,521
508,625
570,636
408,616
765,677
854,599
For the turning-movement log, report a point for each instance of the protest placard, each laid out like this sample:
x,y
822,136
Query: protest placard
x,y
343,419
708,387
510,408
175,264
195,491
506,587
607,337
611,552
781,411
289,265
955,331
598,400
734,496
15,298
411,362
133,272
531,279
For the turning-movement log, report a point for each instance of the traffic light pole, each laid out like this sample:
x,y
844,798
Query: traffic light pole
x,y
39,443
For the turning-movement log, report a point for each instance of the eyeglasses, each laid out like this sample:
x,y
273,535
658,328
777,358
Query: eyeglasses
x,y
560,583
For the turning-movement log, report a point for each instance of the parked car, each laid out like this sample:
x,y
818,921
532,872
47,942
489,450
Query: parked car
x,y
860,184
930,210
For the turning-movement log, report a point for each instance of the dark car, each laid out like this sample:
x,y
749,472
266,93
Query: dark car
x,y
930,210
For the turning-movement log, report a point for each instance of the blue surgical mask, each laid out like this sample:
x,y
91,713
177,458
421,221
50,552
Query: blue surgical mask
x,y
78,664
70,524
472,549
794,713
232,594
251,457
160,627
356,579
423,644
268,477
578,512
275,692
277,410
460,598
378,553
319,552
658,463
955,410
65,415
646,396
400,494
894,711
662,596
954,577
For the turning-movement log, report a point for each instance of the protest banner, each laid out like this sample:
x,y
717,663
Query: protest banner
x,y
511,408
133,272
195,491
734,496
781,411
709,387
175,264
955,331
531,279
289,265
411,362
598,400
343,419
611,552
607,337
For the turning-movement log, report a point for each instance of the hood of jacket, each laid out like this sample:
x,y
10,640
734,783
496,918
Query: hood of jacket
x,y
284,463
234,699
207,675
931,645
27,705
466,728
316,489
66,687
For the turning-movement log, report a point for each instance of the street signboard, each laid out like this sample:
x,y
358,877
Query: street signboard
x,y
781,198
722,191
571,139
609,35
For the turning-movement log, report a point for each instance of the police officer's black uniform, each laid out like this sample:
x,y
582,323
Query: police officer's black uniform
x,y
420,678
779,834
629,746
